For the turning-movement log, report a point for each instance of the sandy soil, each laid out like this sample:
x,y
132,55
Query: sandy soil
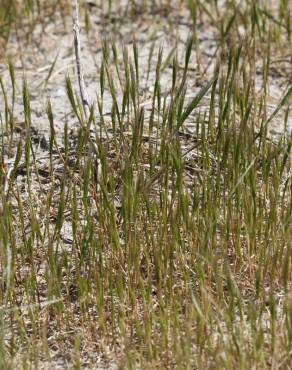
x,y
167,28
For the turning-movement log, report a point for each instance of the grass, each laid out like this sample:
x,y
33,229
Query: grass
x,y
178,253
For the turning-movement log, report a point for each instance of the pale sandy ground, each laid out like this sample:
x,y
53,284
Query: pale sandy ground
x,y
55,40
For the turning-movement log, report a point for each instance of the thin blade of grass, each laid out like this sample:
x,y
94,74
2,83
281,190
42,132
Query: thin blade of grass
x,y
194,103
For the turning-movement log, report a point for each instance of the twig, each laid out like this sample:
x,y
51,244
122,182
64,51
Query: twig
x,y
82,87
93,150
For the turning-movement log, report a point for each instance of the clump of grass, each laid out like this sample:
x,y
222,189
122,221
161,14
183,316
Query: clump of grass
x,y
175,250
21,17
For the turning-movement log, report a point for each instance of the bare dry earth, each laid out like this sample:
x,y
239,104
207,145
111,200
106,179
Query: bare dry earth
x,y
170,27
